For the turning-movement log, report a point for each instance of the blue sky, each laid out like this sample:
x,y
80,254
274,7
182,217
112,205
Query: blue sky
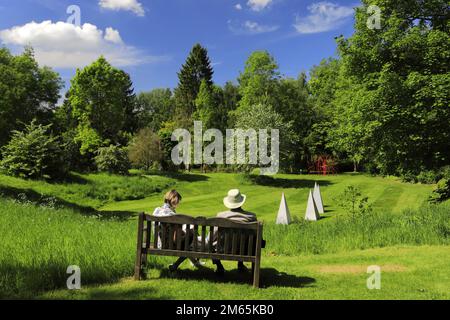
x,y
150,39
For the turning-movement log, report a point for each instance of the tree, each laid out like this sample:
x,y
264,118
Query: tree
x,y
112,159
154,108
294,105
403,69
196,69
265,117
259,80
27,92
145,149
33,153
102,101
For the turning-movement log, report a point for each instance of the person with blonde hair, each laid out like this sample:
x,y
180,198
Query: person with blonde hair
x,y
171,201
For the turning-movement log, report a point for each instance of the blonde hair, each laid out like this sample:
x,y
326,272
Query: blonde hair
x,y
172,198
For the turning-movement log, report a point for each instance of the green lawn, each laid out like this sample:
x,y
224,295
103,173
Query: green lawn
x,y
406,273
45,227
203,194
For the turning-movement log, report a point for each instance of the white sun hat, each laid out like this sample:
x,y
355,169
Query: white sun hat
x,y
234,199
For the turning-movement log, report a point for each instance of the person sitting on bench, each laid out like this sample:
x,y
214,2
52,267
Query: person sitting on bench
x,y
171,201
234,202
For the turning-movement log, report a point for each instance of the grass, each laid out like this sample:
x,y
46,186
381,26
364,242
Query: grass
x,y
203,194
327,259
406,273
85,191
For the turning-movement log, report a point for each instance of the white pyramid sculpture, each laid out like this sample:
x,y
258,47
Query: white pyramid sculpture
x,y
284,215
312,214
318,199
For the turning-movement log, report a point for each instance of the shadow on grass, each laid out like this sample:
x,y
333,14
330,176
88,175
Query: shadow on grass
x,y
124,294
268,181
269,277
33,197
186,177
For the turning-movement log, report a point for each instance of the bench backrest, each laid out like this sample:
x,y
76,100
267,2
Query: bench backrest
x,y
207,235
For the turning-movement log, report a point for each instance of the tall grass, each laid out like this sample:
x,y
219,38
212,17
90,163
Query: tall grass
x,y
92,190
38,243
429,225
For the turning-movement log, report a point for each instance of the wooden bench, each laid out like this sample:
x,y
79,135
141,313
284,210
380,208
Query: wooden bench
x,y
235,241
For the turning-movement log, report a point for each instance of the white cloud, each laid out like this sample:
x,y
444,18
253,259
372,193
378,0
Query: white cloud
x,y
65,45
323,16
127,5
258,5
250,27
238,6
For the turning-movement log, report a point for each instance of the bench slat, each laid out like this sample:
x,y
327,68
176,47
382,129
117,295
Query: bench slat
x,y
155,240
242,243
195,237
202,255
234,242
250,245
203,239
187,238
179,236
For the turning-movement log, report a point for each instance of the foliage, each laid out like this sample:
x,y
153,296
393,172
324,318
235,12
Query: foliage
x,y
27,92
265,117
258,82
154,108
441,191
402,71
145,149
102,103
33,153
353,201
196,69
113,159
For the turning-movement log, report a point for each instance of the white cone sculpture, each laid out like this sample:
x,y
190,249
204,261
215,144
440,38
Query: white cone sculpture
x,y
284,215
312,214
318,199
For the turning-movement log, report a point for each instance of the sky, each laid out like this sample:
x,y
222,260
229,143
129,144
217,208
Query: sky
x,y
150,39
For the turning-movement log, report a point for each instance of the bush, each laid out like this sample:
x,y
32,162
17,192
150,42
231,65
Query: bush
x,y
441,192
33,153
145,150
428,177
409,177
112,159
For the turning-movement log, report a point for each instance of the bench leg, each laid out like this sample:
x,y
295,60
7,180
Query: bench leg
x,y
255,267
138,267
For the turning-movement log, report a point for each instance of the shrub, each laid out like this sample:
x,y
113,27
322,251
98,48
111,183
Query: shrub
x,y
112,159
145,150
427,177
33,153
409,177
441,192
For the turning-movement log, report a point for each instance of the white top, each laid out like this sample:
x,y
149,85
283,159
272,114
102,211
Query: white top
x,y
164,211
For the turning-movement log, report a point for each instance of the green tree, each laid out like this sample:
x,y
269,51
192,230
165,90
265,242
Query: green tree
x,y
102,101
154,108
27,92
145,149
265,117
33,153
403,70
196,69
112,159
258,82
